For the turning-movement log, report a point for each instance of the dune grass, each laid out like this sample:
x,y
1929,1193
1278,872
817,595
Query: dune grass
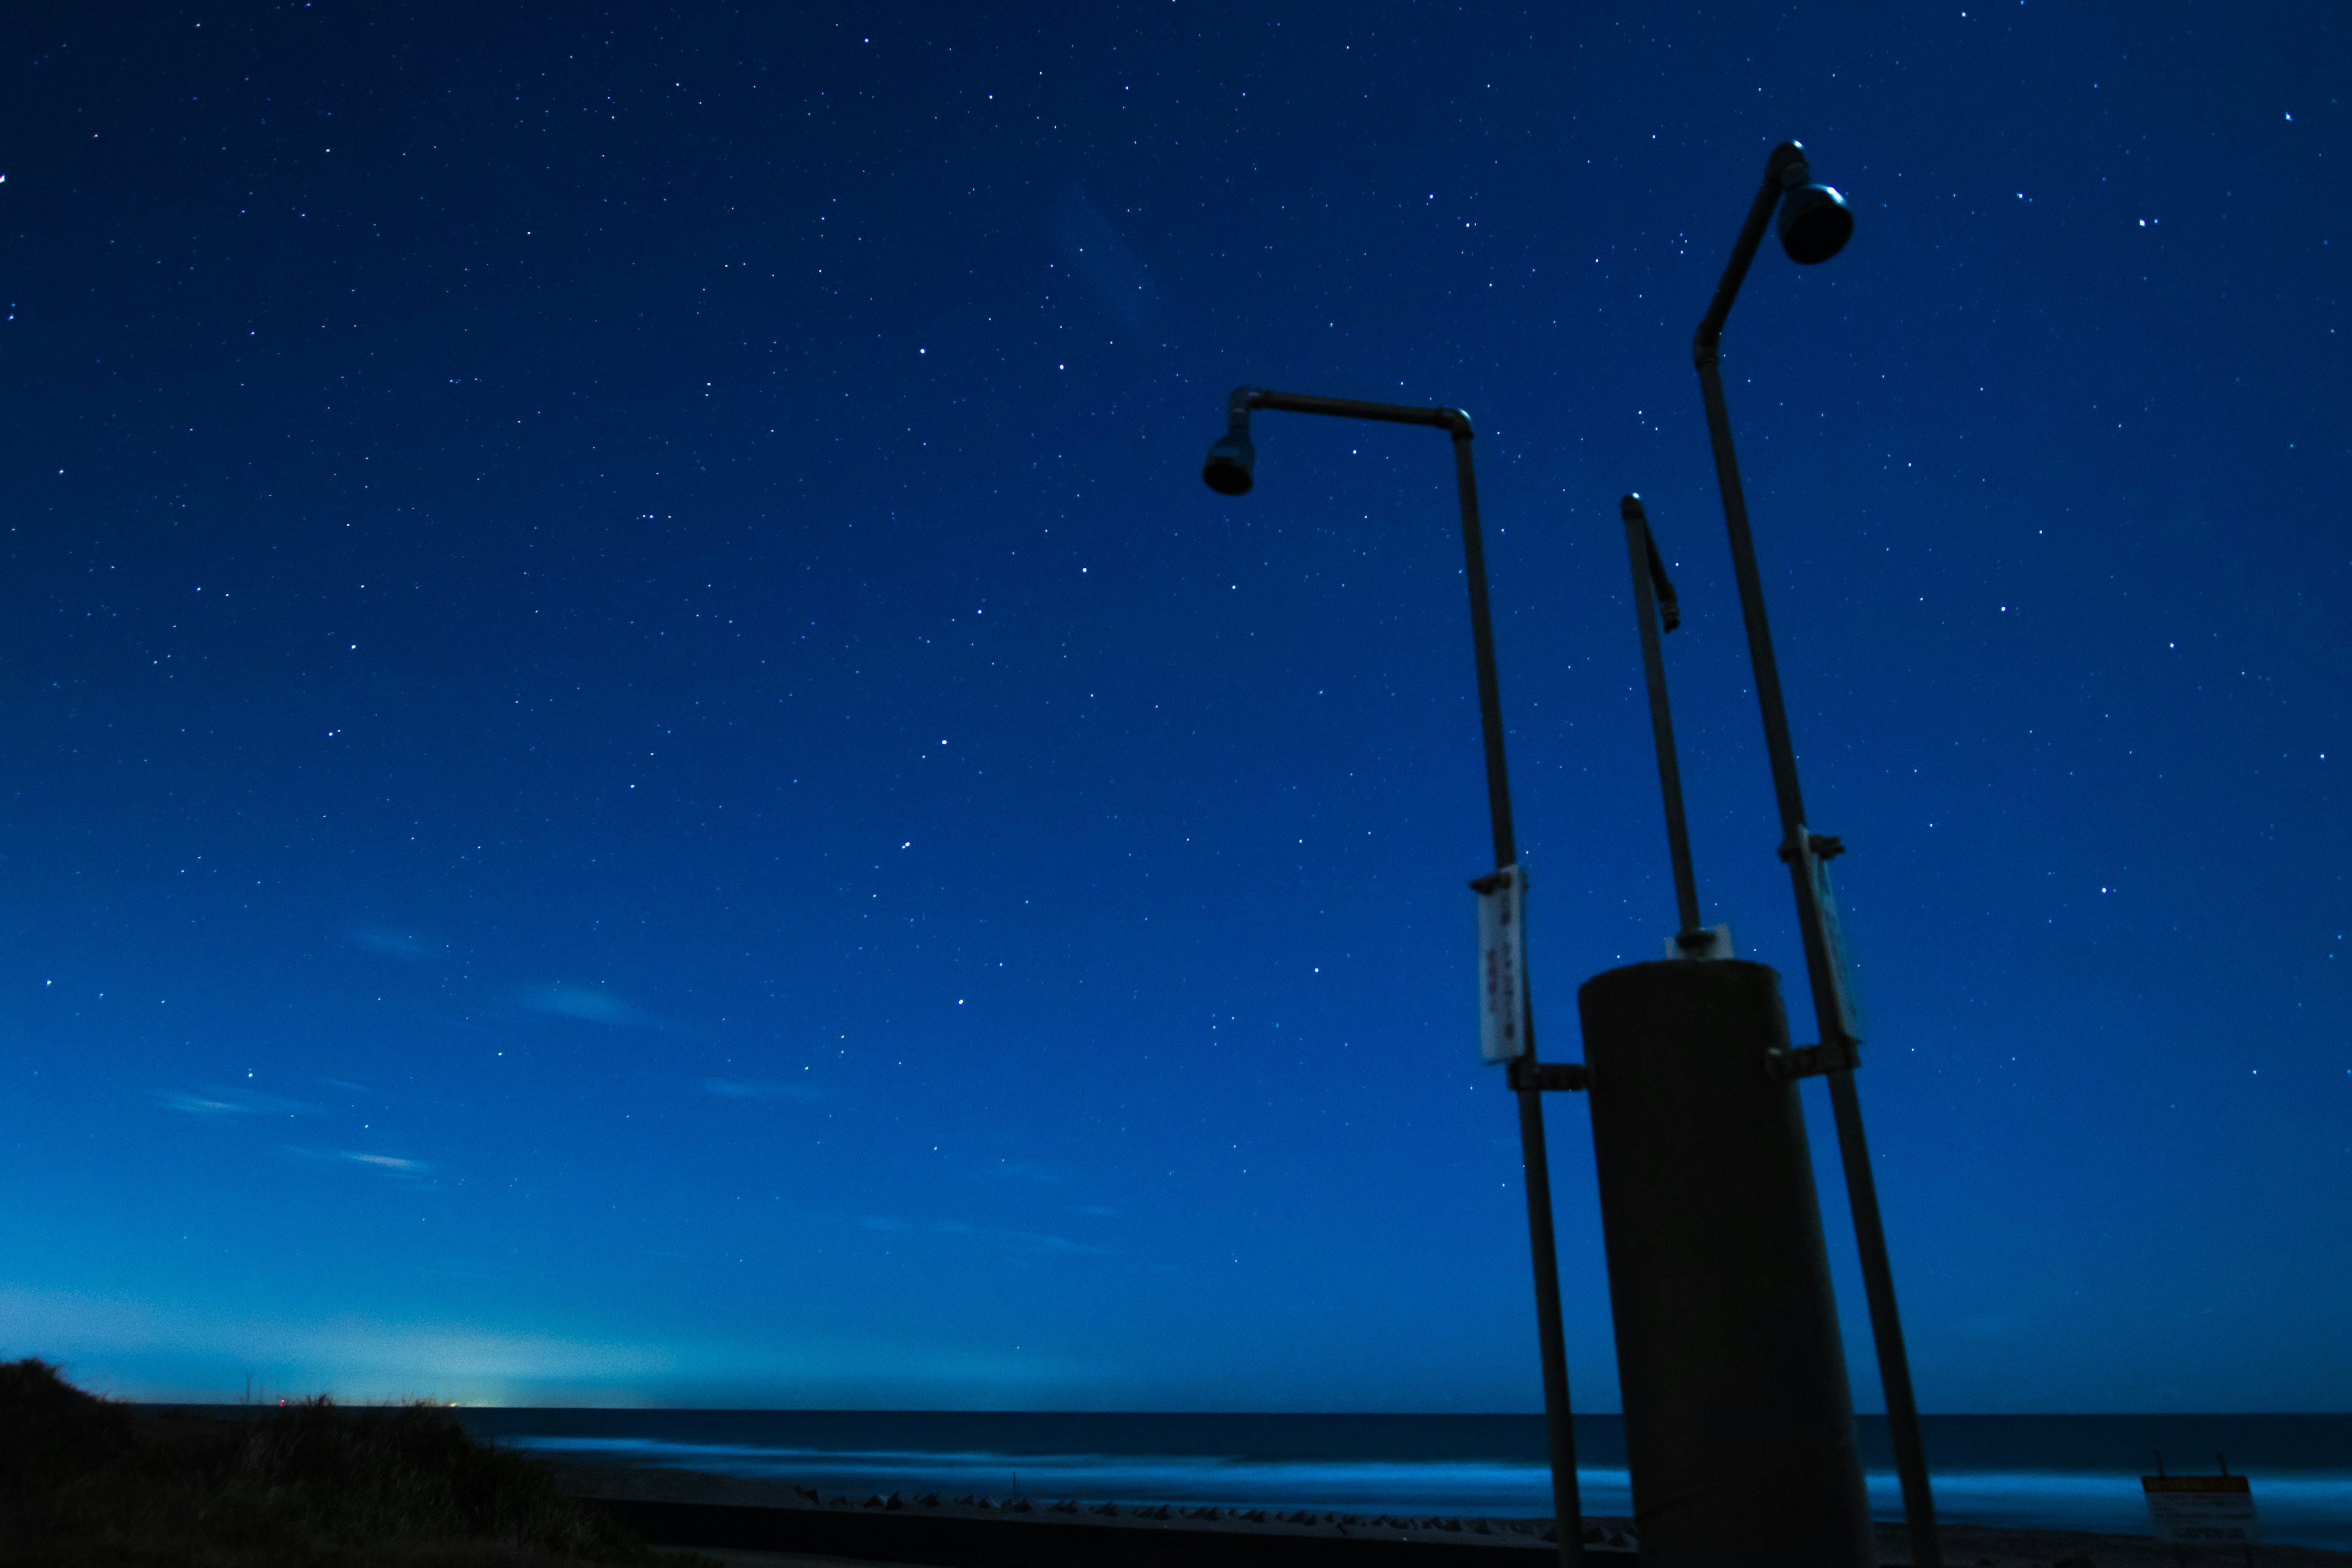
x,y
85,1480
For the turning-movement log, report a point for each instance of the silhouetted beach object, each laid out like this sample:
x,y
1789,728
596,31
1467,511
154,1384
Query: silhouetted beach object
x,y
1229,470
2202,1510
1814,225
1739,1422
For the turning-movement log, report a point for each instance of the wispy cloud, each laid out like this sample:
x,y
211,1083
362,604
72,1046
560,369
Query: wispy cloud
x,y
1099,258
399,1166
1015,1243
1043,1243
1988,1325
740,1089
390,943
590,1005
391,1164
230,1102
1018,1171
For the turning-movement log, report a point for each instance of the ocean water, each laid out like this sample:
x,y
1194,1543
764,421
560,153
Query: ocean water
x,y
2072,1472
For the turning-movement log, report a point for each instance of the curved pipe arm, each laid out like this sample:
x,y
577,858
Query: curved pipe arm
x,y
1785,170
1453,421
1670,610
1456,424
1653,601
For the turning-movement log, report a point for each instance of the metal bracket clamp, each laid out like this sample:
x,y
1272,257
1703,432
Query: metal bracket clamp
x,y
1565,1077
1824,846
1813,1061
1808,855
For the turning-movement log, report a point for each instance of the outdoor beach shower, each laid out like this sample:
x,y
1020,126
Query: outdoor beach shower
x,y
1739,1415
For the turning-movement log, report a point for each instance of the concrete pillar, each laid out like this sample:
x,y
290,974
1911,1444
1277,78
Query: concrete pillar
x,y
1738,1420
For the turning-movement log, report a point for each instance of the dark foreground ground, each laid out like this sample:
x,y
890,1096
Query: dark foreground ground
x,y
743,1522
86,1481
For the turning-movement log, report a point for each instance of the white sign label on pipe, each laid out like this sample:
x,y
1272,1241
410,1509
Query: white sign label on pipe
x,y
1502,965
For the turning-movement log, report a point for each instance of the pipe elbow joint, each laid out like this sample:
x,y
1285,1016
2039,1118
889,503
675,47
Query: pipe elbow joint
x,y
1705,350
1456,422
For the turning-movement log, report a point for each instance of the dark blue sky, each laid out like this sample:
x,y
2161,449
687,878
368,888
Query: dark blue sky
x,y
635,767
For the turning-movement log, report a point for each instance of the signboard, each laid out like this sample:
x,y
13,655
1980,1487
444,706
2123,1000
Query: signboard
x,y
2201,1510
1502,964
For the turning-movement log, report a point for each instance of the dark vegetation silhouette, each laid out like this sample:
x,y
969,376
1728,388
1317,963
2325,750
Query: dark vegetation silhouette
x,y
86,1480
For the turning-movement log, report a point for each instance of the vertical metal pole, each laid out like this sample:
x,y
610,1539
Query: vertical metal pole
x,y
1568,1514
1566,1507
1482,643
1861,1185
1646,566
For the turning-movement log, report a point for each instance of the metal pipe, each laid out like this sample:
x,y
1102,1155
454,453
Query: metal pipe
x,y
1778,748
1482,641
1559,1430
1653,600
1751,234
1449,420
1784,169
1567,1509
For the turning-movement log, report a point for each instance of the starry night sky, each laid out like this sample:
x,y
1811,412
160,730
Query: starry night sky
x,y
633,766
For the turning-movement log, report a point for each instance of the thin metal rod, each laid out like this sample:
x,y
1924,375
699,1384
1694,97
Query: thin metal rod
x,y
1559,1430
1535,1162
1861,1187
1885,1323
1644,549
1778,747
1482,642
